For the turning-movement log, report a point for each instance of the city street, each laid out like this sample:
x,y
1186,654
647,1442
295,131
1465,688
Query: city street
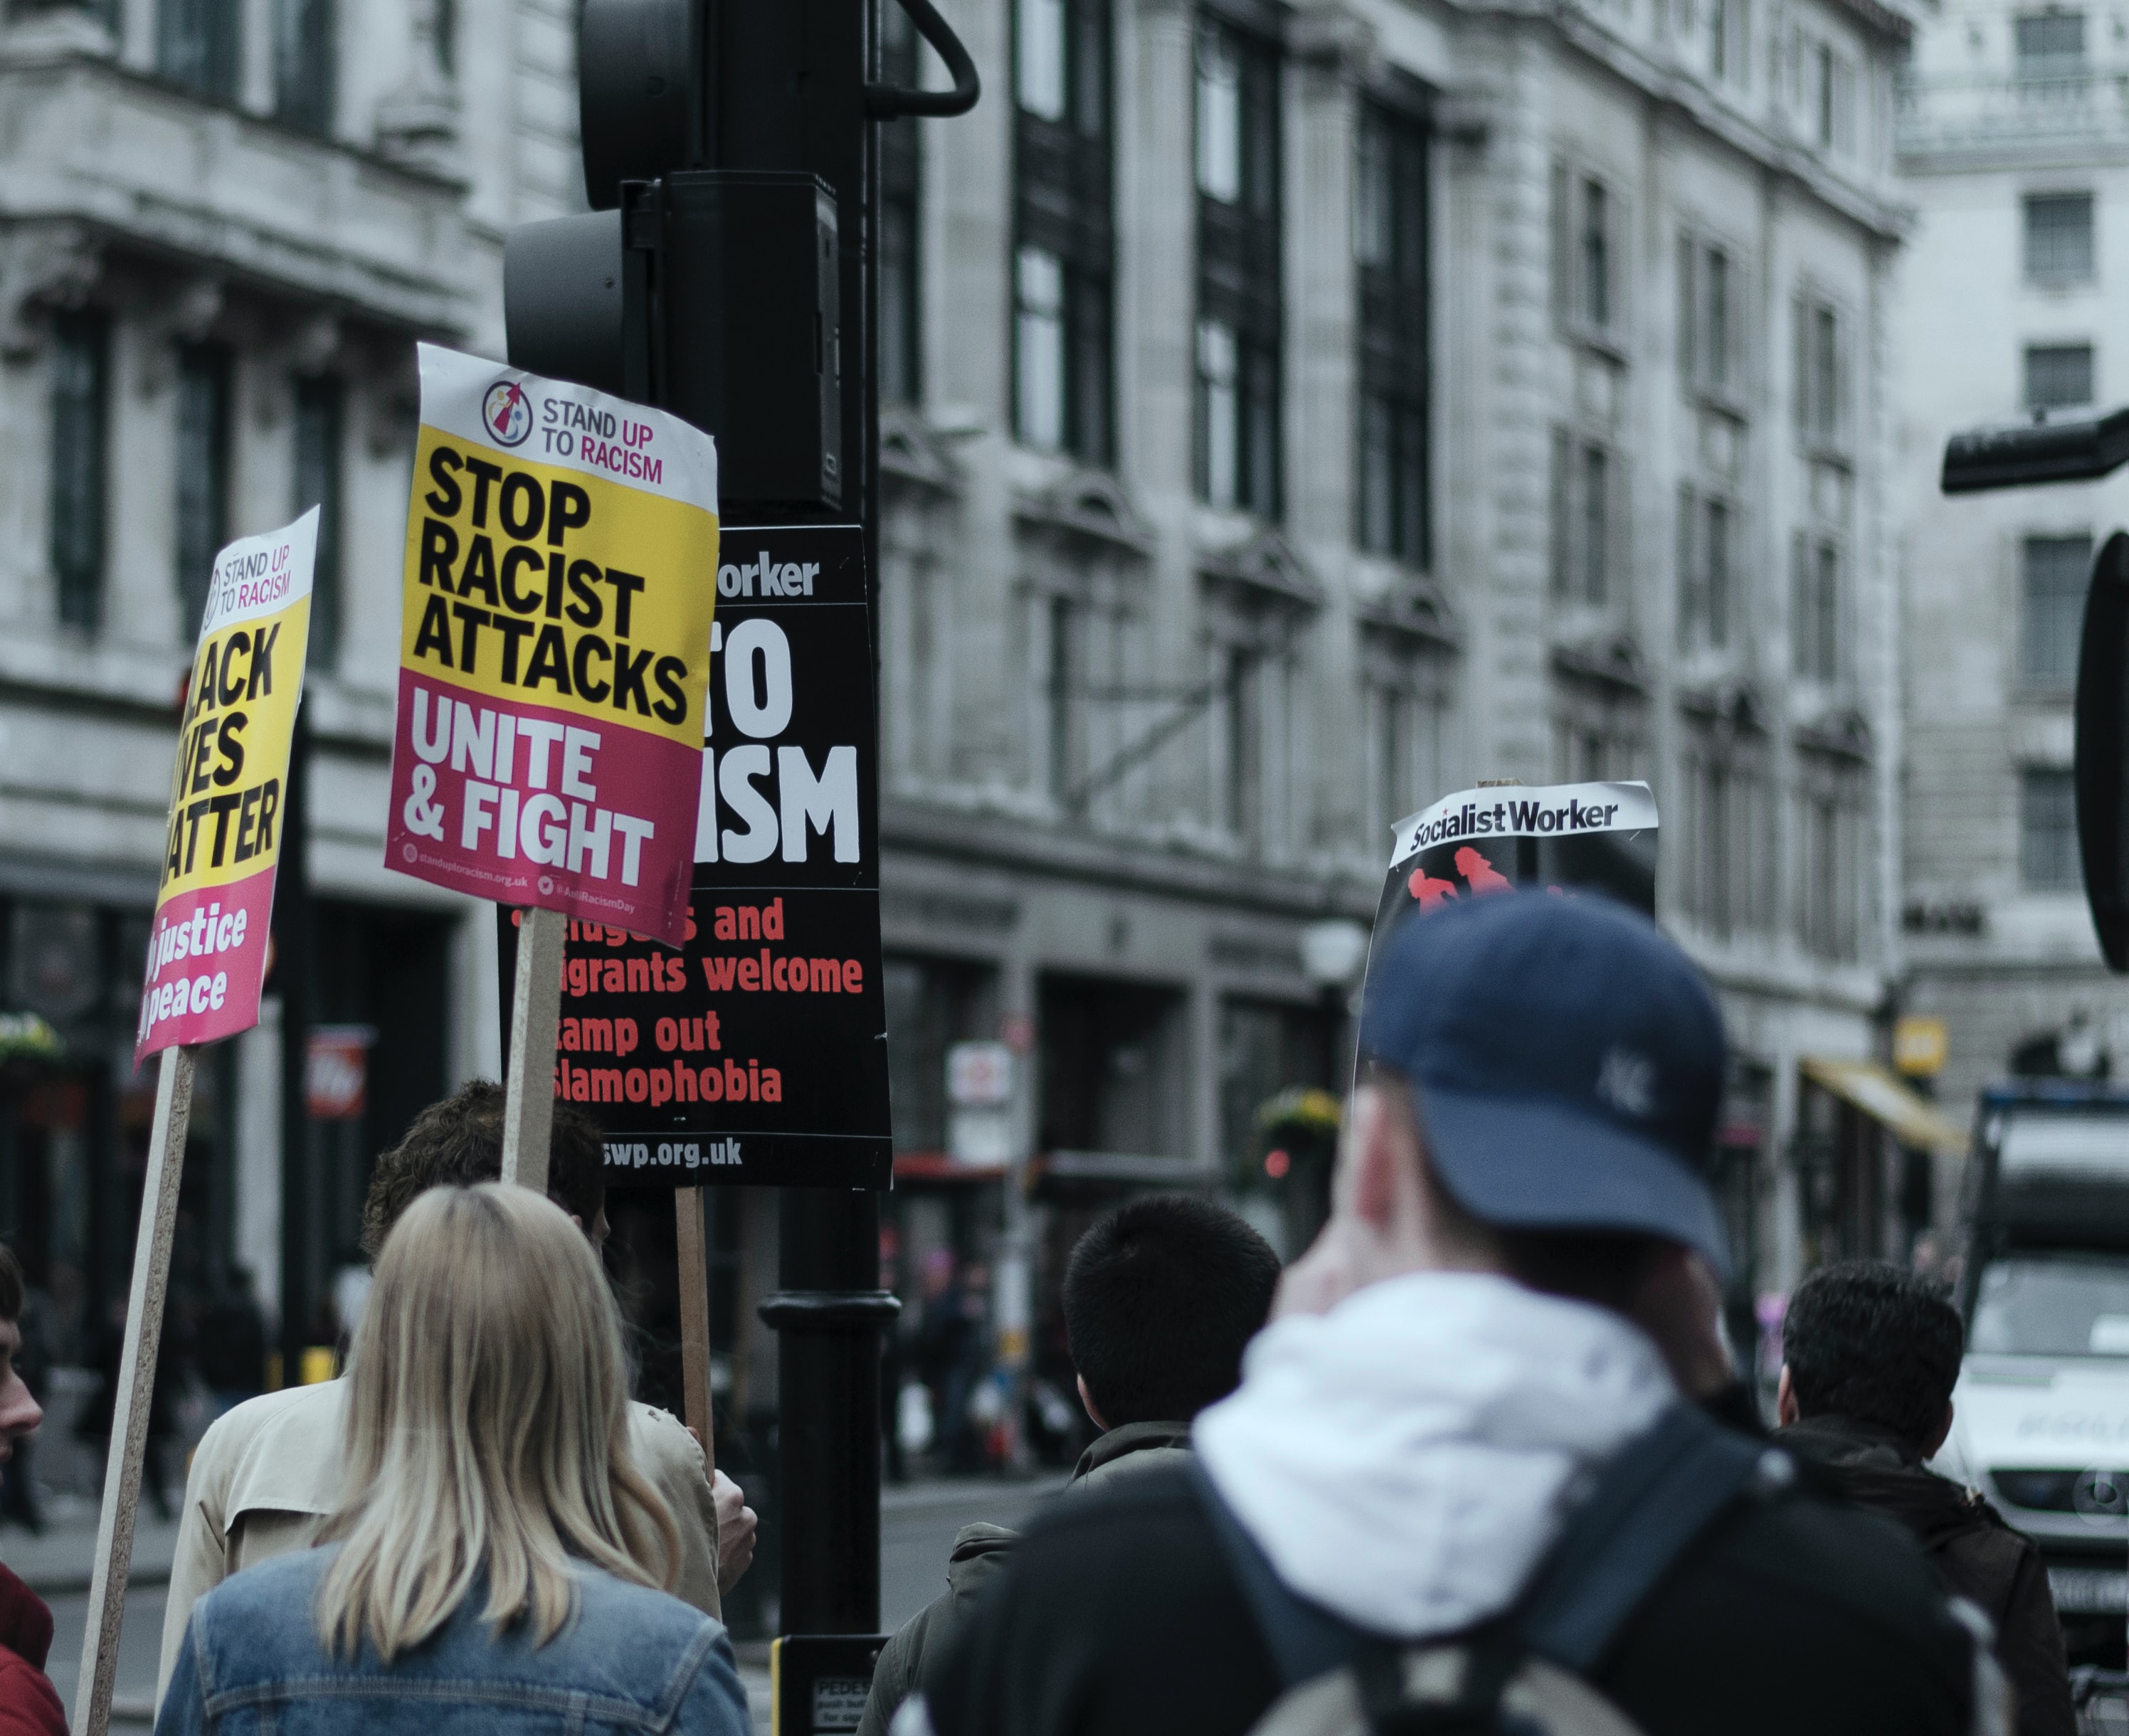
x,y
918,1523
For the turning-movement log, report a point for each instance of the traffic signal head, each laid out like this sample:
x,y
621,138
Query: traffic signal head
x,y
2019,454
643,73
2102,750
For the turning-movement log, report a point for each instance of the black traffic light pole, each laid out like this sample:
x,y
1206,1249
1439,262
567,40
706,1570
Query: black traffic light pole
x,y
729,154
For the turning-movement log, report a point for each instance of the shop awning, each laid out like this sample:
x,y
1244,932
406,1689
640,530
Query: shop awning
x,y
1876,1091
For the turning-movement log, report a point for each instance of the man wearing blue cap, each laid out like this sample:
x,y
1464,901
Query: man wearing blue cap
x,y
1459,1487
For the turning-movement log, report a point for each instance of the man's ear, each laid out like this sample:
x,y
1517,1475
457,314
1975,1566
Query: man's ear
x,y
1087,1399
1935,1444
1786,1411
1377,1159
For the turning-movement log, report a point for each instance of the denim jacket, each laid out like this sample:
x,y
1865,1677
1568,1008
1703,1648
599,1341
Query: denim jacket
x,y
629,1660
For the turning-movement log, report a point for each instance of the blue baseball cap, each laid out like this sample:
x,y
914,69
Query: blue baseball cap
x,y
1566,1059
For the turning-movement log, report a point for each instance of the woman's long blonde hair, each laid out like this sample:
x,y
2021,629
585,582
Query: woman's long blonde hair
x,y
486,1429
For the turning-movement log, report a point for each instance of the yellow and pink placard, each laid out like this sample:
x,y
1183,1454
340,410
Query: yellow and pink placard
x,y
560,575
206,949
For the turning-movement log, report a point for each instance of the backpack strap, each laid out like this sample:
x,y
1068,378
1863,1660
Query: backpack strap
x,y
1655,1499
1304,1638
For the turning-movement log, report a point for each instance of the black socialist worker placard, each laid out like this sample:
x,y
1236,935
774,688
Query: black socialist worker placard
x,y
1569,838
756,1052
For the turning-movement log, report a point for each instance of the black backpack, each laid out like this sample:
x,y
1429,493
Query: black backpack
x,y
1525,1671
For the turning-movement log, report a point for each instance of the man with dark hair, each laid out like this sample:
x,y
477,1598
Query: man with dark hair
x,y
458,1143
1162,1297
1870,1352
266,1474
1461,1481
29,1704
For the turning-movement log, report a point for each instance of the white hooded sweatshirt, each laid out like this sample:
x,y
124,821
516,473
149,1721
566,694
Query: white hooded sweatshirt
x,y
1404,1460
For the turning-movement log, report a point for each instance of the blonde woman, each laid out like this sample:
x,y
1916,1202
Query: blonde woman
x,y
496,1562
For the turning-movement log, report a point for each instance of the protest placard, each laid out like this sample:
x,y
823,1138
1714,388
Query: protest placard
x,y
755,1054
207,949
1567,838
559,584
205,970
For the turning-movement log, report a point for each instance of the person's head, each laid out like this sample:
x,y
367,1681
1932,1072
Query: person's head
x,y
1543,1077
1160,1298
459,1142
486,1428
19,1412
1872,1342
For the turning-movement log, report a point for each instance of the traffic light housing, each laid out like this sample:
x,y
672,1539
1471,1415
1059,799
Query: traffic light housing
x,y
728,159
2102,750
2081,448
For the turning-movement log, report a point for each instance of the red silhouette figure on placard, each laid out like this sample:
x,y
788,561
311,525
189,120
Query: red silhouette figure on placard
x,y
1430,893
1480,875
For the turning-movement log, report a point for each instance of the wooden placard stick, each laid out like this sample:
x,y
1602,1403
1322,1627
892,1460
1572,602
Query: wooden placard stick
x,y
535,1007
136,1386
695,1316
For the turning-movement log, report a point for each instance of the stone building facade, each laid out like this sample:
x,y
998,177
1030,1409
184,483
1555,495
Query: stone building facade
x,y
222,225
2011,132
1294,413
1302,412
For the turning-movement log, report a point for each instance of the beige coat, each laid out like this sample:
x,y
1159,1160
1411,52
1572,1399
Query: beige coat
x,y
267,1475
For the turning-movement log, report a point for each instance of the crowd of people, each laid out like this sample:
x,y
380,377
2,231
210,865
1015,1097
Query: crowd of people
x,y
1477,1461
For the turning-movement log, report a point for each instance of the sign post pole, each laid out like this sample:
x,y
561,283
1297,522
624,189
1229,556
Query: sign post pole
x,y
136,1386
535,1004
695,1315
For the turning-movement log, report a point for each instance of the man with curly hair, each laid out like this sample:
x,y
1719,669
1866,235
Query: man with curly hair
x,y
267,1474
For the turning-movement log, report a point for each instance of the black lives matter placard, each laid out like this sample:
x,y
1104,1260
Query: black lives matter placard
x,y
757,1053
1568,838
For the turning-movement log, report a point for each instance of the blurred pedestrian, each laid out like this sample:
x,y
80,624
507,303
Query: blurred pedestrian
x,y
232,1343
1869,1356
93,1426
495,1555
1160,1298
32,1361
1459,1485
264,1476
28,1704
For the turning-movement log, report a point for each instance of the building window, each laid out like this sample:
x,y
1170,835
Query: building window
x,y
1598,730
1727,844
2058,376
1588,518
1816,632
1821,375
1240,315
1587,226
2056,570
1831,834
304,63
1729,42
1063,216
931,1005
1711,325
2048,860
1065,684
80,356
196,45
900,380
319,415
2048,44
202,475
1707,551
1408,711
2059,238
1390,242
